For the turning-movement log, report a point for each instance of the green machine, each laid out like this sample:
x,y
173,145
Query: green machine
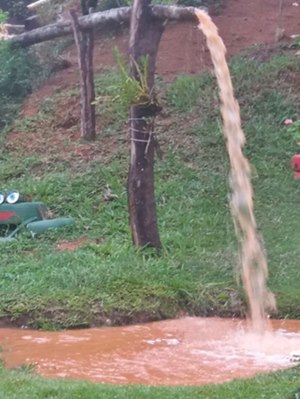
x,y
17,214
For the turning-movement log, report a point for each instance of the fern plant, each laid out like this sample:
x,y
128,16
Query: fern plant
x,y
118,90
134,91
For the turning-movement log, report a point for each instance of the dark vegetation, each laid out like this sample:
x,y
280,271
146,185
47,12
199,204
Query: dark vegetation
x,y
19,74
16,10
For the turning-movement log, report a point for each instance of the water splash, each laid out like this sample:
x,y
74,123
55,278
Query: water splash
x,y
254,267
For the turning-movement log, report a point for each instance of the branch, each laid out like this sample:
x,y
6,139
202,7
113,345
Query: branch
x,y
175,13
98,19
64,27
38,3
9,29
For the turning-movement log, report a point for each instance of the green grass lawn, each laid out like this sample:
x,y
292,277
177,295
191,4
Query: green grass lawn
x,y
106,279
22,384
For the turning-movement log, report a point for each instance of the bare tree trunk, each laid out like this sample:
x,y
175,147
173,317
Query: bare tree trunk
x,y
85,47
145,35
97,19
91,128
279,33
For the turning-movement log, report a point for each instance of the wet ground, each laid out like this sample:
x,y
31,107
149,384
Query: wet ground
x,y
189,351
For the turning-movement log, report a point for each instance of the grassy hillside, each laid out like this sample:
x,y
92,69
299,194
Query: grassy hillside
x,y
105,280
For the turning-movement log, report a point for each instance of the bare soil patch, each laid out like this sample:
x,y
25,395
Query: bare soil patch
x,y
74,244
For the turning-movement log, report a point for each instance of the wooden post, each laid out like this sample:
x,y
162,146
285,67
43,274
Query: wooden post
x,y
145,35
85,47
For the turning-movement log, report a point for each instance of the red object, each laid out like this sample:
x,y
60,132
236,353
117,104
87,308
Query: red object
x,y
296,165
5,215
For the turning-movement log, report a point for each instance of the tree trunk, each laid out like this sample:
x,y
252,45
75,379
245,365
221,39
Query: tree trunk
x,y
145,35
85,47
90,133
97,19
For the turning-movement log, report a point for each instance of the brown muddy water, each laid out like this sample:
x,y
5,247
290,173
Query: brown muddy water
x,y
188,351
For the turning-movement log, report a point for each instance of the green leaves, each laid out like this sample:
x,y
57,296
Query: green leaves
x,y
18,70
16,9
294,130
133,91
3,16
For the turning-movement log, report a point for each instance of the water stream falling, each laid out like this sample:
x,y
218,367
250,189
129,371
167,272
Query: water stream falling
x,y
254,267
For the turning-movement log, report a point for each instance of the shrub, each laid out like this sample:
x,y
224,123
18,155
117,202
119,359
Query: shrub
x,y
17,9
3,16
19,72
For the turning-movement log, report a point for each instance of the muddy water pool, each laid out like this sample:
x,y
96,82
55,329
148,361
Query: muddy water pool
x,y
188,351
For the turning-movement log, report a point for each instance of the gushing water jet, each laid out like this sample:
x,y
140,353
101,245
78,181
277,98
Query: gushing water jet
x,y
254,268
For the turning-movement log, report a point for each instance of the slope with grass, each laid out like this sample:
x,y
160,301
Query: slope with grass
x,y
105,281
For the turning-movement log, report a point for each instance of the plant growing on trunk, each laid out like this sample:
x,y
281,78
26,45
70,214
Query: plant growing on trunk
x,y
134,91
145,35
